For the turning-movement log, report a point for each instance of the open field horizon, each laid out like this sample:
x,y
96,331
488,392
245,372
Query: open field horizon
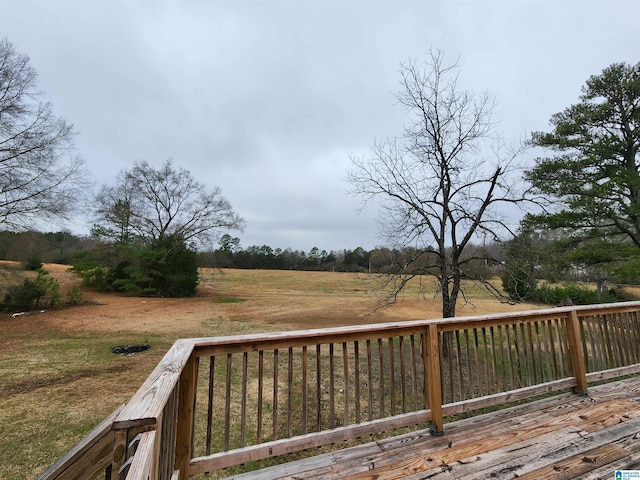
x,y
58,377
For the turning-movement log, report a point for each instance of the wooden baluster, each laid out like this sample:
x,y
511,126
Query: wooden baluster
x,y
260,400
332,398
546,353
561,339
625,336
512,377
487,371
392,376
593,349
369,382
345,366
414,374
458,354
290,394
634,336
449,360
531,356
318,388
476,346
356,372
618,339
243,400
227,406
212,368
276,364
304,389
425,370
494,369
381,377
552,350
523,370
538,360
403,376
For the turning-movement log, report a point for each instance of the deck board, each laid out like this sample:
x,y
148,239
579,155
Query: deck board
x,y
565,436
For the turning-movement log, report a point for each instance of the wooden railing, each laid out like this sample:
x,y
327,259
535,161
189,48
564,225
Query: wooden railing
x,y
212,403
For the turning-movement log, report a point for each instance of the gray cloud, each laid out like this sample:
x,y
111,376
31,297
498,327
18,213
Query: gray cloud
x,y
268,99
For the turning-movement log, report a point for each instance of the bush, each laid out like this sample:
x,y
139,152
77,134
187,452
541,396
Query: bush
x,y
166,268
32,264
519,283
574,294
74,296
44,291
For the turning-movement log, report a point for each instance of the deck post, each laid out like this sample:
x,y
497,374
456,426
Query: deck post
x,y
576,353
186,403
121,438
434,379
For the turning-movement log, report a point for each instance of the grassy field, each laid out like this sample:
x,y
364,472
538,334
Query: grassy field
x,y
58,377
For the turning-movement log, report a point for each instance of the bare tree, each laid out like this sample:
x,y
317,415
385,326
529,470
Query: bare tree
x,y
39,174
443,183
152,204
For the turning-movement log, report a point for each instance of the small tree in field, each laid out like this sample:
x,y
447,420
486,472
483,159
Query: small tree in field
x,y
437,186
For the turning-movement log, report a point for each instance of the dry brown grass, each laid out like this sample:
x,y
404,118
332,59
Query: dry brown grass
x,y
58,377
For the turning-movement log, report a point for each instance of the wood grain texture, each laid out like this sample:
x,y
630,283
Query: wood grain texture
x,y
148,402
565,436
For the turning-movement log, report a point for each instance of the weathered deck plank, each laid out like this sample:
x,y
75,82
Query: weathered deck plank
x,y
566,436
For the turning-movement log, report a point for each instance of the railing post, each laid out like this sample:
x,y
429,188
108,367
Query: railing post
x,y
186,404
119,452
434,379
576,353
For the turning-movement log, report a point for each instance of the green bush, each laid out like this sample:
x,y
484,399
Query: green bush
x,y
519,283
74,296
574,294
32,264
44,291
165,268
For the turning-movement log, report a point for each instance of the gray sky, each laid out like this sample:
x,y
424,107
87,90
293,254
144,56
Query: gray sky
x,y
267,100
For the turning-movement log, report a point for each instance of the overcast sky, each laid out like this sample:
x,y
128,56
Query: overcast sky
x,y
267,100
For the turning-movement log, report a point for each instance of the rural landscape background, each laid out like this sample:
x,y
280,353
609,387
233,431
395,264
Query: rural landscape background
x,y
59,378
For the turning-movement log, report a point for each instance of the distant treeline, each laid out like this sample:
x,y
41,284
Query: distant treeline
x,y
61,247
380,259
265,257
52,247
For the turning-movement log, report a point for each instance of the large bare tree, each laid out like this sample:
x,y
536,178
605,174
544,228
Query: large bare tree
x,y
442,184
150,204
40,175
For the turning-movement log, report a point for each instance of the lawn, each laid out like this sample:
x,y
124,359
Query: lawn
x,y
58,377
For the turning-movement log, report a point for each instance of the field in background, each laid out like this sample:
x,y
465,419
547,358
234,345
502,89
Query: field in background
x,y
58,377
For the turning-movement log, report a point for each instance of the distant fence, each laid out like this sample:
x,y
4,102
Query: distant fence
x,y
218,402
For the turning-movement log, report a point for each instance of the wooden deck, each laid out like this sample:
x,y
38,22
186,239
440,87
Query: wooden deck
x,y
561,437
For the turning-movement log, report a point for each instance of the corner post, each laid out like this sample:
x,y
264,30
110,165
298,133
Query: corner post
x,y
434,379
576,353
186,404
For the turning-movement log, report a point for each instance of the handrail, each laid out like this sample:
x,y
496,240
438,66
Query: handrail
x,y
216,402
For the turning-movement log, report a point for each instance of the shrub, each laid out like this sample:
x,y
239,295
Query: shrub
x,y
165,268
74,296
44,291
578,295
519,283
32,264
